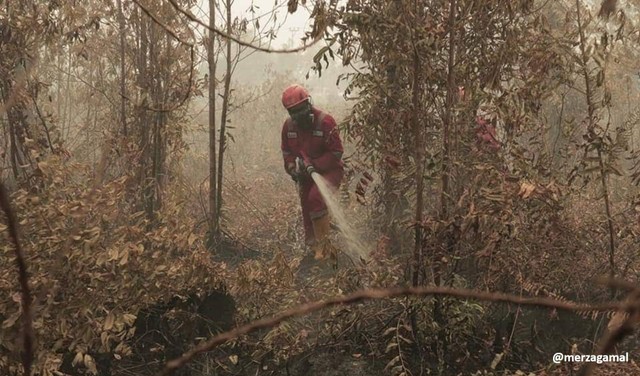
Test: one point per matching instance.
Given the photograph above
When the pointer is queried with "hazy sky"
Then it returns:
(293, 25)
(291, 29)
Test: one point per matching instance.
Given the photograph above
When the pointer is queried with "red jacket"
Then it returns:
(321, 142)
(486, 134)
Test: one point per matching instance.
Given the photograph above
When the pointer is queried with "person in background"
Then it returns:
(485, 129)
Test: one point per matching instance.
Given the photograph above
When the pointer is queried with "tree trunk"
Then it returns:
(144, 120)
(66, 120)
(392, 200)
(448, 116)
(591, 109)
(419, 145)
(213, 217)
(123, 117)
(223, 119)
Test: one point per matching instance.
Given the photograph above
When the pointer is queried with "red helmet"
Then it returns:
(294, 95)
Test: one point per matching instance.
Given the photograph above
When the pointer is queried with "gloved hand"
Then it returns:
(308, 166)
(291, 170)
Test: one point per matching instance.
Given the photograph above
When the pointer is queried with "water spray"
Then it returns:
(355, 248)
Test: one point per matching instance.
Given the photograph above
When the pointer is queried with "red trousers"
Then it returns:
(313, 205)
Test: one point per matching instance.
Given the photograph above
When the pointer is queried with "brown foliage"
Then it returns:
(94, 265)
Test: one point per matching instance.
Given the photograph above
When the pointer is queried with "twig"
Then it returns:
(305, 309)
(161, 24)
(23, 276)
(397, 338)
(513, 330)
(193, 18)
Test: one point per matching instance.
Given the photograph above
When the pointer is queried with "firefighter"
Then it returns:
(311, 144)
(486, 133)
(485, 130)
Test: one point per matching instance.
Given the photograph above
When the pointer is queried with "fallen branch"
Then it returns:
(308, 308)
(631, 307)
(23, 276)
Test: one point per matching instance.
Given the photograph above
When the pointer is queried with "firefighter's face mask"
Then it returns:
(302, 114)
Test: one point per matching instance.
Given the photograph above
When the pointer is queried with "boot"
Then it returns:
(322, 247)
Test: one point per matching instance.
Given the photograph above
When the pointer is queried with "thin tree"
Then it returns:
(123, 92)
(213, 217)
(419, 154)
(224, 115)
(591, 126)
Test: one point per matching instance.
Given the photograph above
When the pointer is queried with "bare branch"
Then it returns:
(191, 54)
(193, 18)
(162, 24)
(305, 309)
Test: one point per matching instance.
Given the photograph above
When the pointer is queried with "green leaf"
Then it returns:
(319, 55)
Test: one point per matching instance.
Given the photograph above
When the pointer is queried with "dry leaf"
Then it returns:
(526, 189)
(90, 364)
(192, 238)
(108, 322)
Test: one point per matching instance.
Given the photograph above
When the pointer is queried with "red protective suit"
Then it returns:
(486, 134)
(322, 144)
